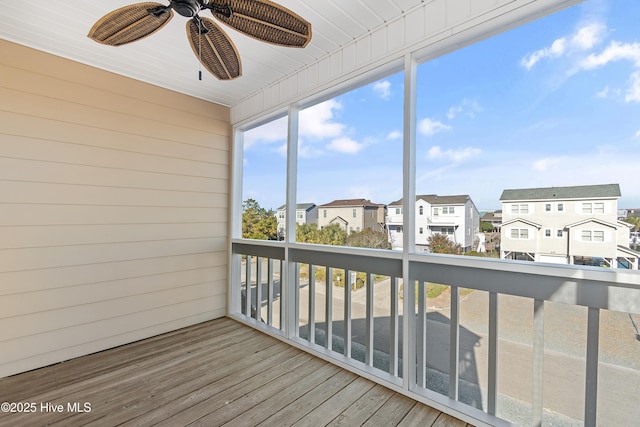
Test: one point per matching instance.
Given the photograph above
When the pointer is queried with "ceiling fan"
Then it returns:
(261, 19)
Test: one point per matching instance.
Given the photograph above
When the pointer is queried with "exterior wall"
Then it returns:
(530, 244)
(579, 247)
(554, 216)
(370, 217)
(114, 204)
(346, 213)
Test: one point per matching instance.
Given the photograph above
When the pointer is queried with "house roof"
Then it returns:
(563, 193)
(438, 200)
(524, 221)
(299, 206)
(350, 203)
(597, 221)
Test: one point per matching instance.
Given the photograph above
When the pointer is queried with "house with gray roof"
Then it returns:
(454, 216)
(306, 213)
(352, 215)
(566, 225)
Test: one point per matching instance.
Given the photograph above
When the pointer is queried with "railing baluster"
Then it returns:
(258, 315)
(368, 359)
(282, 267)
(454, 343)
(312, 303)
(393, 328)
(421, 341)
(591, 386)
(538, 362)
(247, 294)
(296, 297)
(492, 390)
(347, 312)
(328, 309)
(270, 292)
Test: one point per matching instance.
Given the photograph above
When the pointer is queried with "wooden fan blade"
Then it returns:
(214, 49)
(130, 23)
(266, 21)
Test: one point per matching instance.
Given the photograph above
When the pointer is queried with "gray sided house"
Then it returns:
(566, 225)
(306, 213)
(352, 215)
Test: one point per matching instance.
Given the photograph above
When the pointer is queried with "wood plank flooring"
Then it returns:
(211, 374)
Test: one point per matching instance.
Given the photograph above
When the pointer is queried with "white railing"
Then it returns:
(463, 357)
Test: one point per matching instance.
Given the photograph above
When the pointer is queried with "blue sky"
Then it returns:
(553, 103)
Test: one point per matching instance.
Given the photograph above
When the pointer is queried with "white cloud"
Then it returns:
(604, 93)
(345, 145)
(588, 36)
(614, 52)
(270, 132)
(382, 89)
(633, 91)
(585, 38)
(453, 112)
(556, 49)
(546, 163)
(429, 127)
(395, 134)
(319, 121)
(638, 134)
(468, 106)
(455, 156)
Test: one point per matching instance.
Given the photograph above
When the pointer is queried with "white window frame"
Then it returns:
(598, 208)
(522, 233)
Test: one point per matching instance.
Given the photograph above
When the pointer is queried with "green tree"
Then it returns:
(441, 244)
(369, 238)
(486, 227)
(635, 221)
(258, 222)
(329, 235)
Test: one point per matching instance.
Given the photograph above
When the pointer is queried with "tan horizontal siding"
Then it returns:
(113, 209)
(17, 282)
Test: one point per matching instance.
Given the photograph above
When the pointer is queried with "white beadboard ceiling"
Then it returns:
(165, 59)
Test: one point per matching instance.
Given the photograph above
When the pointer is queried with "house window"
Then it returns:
(354, 213)
(398, 211)
(436, 211)
(421, 209)
(598, 236)
(281, 215)
(519, 233)
(586, 235)
(560, 207)
(598, 208)
(421, 231)
(586, 208)
(558, 233)
(448, 210)
(547, 207)
(547, 232)
(324, 213)
(399, 229)
(300, 215)
(520, 209)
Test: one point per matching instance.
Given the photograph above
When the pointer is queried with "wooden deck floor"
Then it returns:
(215, 373)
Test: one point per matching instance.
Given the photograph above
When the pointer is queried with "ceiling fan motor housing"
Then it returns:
(188, 8)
